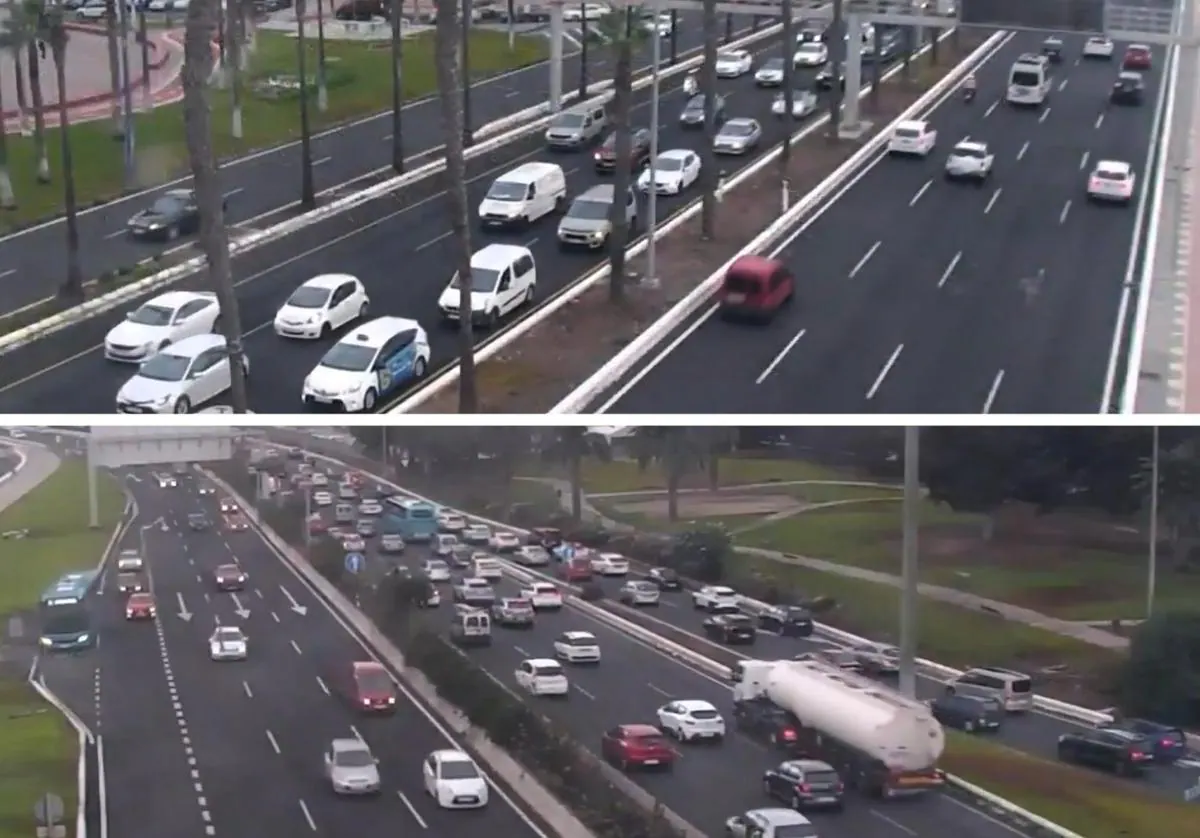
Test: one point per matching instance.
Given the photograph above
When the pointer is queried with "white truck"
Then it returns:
(881, 742)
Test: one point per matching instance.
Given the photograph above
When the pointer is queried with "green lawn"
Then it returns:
(359, 84)
(39, 747)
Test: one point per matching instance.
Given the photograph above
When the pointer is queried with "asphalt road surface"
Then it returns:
(916, 295)
(263, 188)
(194, 746)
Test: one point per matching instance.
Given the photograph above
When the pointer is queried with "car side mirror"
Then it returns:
(129, 315)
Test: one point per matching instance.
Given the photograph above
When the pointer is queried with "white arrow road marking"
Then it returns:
(184, 614)
(297, 607)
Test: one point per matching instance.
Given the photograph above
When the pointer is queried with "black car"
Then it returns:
(173, 214)
(1170, 743)
(131, 583)
(805, 784)
(1128, 89)
(639, 151)
(732, 629)
(666, 579)
(1052, 48)
(1119, 751)
(197, 522)
(787, 621)
(968, 713)
(766, 722)
(692, 115)
(362, 10)
(825, 78)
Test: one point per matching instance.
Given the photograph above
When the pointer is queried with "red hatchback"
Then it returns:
(140, 607)
(1137, 57)
(755, 287)
(641, 746)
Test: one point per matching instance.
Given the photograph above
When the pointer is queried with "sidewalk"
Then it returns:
(1004, 610)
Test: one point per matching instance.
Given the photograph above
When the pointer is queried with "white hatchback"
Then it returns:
(321, 306)
(322, 499)
(543, 676)
(577, 647)
(913, 136)
(181, 376)
(691, 719)
(1112, 180)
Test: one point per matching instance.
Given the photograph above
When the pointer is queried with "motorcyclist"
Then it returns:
(969, 87)
(690, 86)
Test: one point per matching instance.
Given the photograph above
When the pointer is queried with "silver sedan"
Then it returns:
(804, 103)
(738, 136)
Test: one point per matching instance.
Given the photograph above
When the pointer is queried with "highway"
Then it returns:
(255, 730)
(264, 187)
(400, 250)
(916, 295)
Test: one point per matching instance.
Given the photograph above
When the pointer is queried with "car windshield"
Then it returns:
(728, 56)
(737, 620)
(737, 129)
(507, 190)
(430, 566)
(227, 570)
(582, 641)
(772, 64)
(696, 103)
(548, 670)
(228, 635)
(350, 357)
(589, 210)
(353, 759)
(165, 367)
(152, 315)
(167, 205)
(459, 769)
(1109, 174)
(374, 681)
(668, 164)
(975, 153)
(567, 120)
(308, 296)
(809, 47)
(482, 279)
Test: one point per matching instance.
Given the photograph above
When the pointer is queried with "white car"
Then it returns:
(1098, 47)
(228, 643)
(319, 478)
(674, 171)
(504, 542)
(969, 160)
(369, 363)
(476, 534)
(577, 647)
(451, 522)
(691, 719)
(660, 25)
(92, 10)
(804, 104)
(811, 54)
(436, 570)
(913, 136)
(321, 306)
(1111, 180)
(732, 64)
(543, 676)
(370, 506)
(639, 592)
(454, 781)
(770, 73)
(353, 543)
(166, 319)
(503, 279)
(715, 598)
(391, 542)
(347, 491)
(180, 377)
(610, 564)
(322, 498)
(589, 11)
(543, 596)
(532, 555)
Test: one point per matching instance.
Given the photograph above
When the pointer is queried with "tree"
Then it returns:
(201, 26)
(308, 197)
(678, 451)
(708, 159)
(397, 87)
(114, 65)
(51, 28)
(569, 447)
(1160, 679)
(8, 199)
(13, 38)
(1179, 500)
(721, 441)
(447, 57)
(26, 21)
(234, 34)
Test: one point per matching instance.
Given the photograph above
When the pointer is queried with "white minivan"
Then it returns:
(503, 278)
(522, 196)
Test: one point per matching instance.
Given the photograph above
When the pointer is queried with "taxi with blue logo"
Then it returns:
(369, 363)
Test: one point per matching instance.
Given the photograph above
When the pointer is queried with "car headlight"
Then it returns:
(84, 638)
(46, 641)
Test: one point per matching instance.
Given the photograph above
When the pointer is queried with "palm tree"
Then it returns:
(679, 452)
(52, 29)
(13, 37)
(447, 54)
(397, 87)
(708, 160)
(200, 26)
(789, 72)
(308, 197)
(569, 446)
(322, 88)
(234, 23)
(114, 66)
(26, 20)
(7, 199)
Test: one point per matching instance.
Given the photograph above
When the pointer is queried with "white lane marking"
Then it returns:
(434, 241)
(275, 616)
(233, 192)
(520, 651)
(866, 258)
(659, 690)
(891, 362)
(1045, 114)
(1083, 161)
(321, 684)
(412, 810)
(1024, 148)
(1099, 120)
(308, 815)
(950, 269)
(357, 735)
(258, 593)
(993, 107)
(1063, 85)
(116, 235)
(779, 358)
(892, 821)
(8, 272)
(1062, 216)
(991, 396)
(584, 692)
(924, 188)
(297, 648)
(321, 161)
(246, 689)
(992, 201)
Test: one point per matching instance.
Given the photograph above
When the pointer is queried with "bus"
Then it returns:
(64, 612)
(413, 520)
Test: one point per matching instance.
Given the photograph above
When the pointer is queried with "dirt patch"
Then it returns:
(713, 505)
(537, 371)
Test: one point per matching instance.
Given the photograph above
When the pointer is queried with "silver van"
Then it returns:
(577, 127)
(1014, 690)
(343, 513)
(471, 626)
(586, 222)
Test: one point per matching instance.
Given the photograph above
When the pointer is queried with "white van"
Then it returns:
(503, 278)
(1029, 80)
(522, 196)
(489, 569)
(1014, 690)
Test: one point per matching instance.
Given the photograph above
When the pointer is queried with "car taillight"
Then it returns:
(789, 734)
(1167, 743)
(1136, 755)
(366, 702)
(1096, 183)
(803, 788)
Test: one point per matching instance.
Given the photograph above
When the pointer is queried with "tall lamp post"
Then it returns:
(1152, 570)
(652, 224)
(583, 52)
(468, 135)
(909, 562)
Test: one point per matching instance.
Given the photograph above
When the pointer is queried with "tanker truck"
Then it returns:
(881, 742)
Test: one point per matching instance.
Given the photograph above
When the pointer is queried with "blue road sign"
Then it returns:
(354, 562)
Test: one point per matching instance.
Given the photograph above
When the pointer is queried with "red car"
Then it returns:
(371, 688)
(576, 570)
(1137, 57)
(641, 746)
(755, 287)
(316, 524)
(230, 577)
(140, 607)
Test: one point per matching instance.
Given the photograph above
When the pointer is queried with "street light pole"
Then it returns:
(909, 562)
(652, 209)
(1152, 570)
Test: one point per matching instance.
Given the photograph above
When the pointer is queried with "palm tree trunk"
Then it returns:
(674, 467)
(622, 101)
(397, 88)
(201, 25)
(19, 78)
(233, 37)
(576, 479)
(446, 57)
(72, 288)
(39, 116)
(7, 198)
(322, 88)
(708, 160)
(114, 65)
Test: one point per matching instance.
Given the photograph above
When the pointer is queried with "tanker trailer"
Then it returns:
(881, 742)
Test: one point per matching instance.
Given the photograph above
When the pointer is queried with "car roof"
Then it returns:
(376, 332)
(531, 171)
(579, 635)
(740, 53)
(695, 704)
(329, 281)
(778, 816)
(451, 755)
(228, 566)
(542, 661)
(640, 729)
(1140, 47)
(599, 192)
(1100, 39)
(141, 595)
(1114, 167)
(348, 744)
(1130, 74)
(227, 630)
(174, 299)
(497, 255)
(919, 124)
(808, 765)
(972, 145)
(367, 666)
(740, 120)
(192, 346)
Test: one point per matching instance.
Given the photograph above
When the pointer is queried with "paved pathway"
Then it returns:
(1014, 613)
(39, 464)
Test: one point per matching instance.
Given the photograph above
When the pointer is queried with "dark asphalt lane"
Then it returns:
(919, 307)
(262, 188)
(404, 274)
(258, 728)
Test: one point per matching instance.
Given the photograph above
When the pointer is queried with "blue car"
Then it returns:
(1169, 743)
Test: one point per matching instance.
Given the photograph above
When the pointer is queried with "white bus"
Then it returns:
(1029, 80)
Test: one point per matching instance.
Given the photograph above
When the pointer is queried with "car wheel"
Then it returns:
(326, 329)
(183, 405)
(969, 726)
(369, 401)
(172, 232)
(493, 319)
(419, 368)
(797, 803)
(529, 296)
(216, 326)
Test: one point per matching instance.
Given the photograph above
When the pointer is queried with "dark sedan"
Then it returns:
(731, 629)
(1128, 89)
(825, 78)
(692, 115)
(639, 152)
(173, 214)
